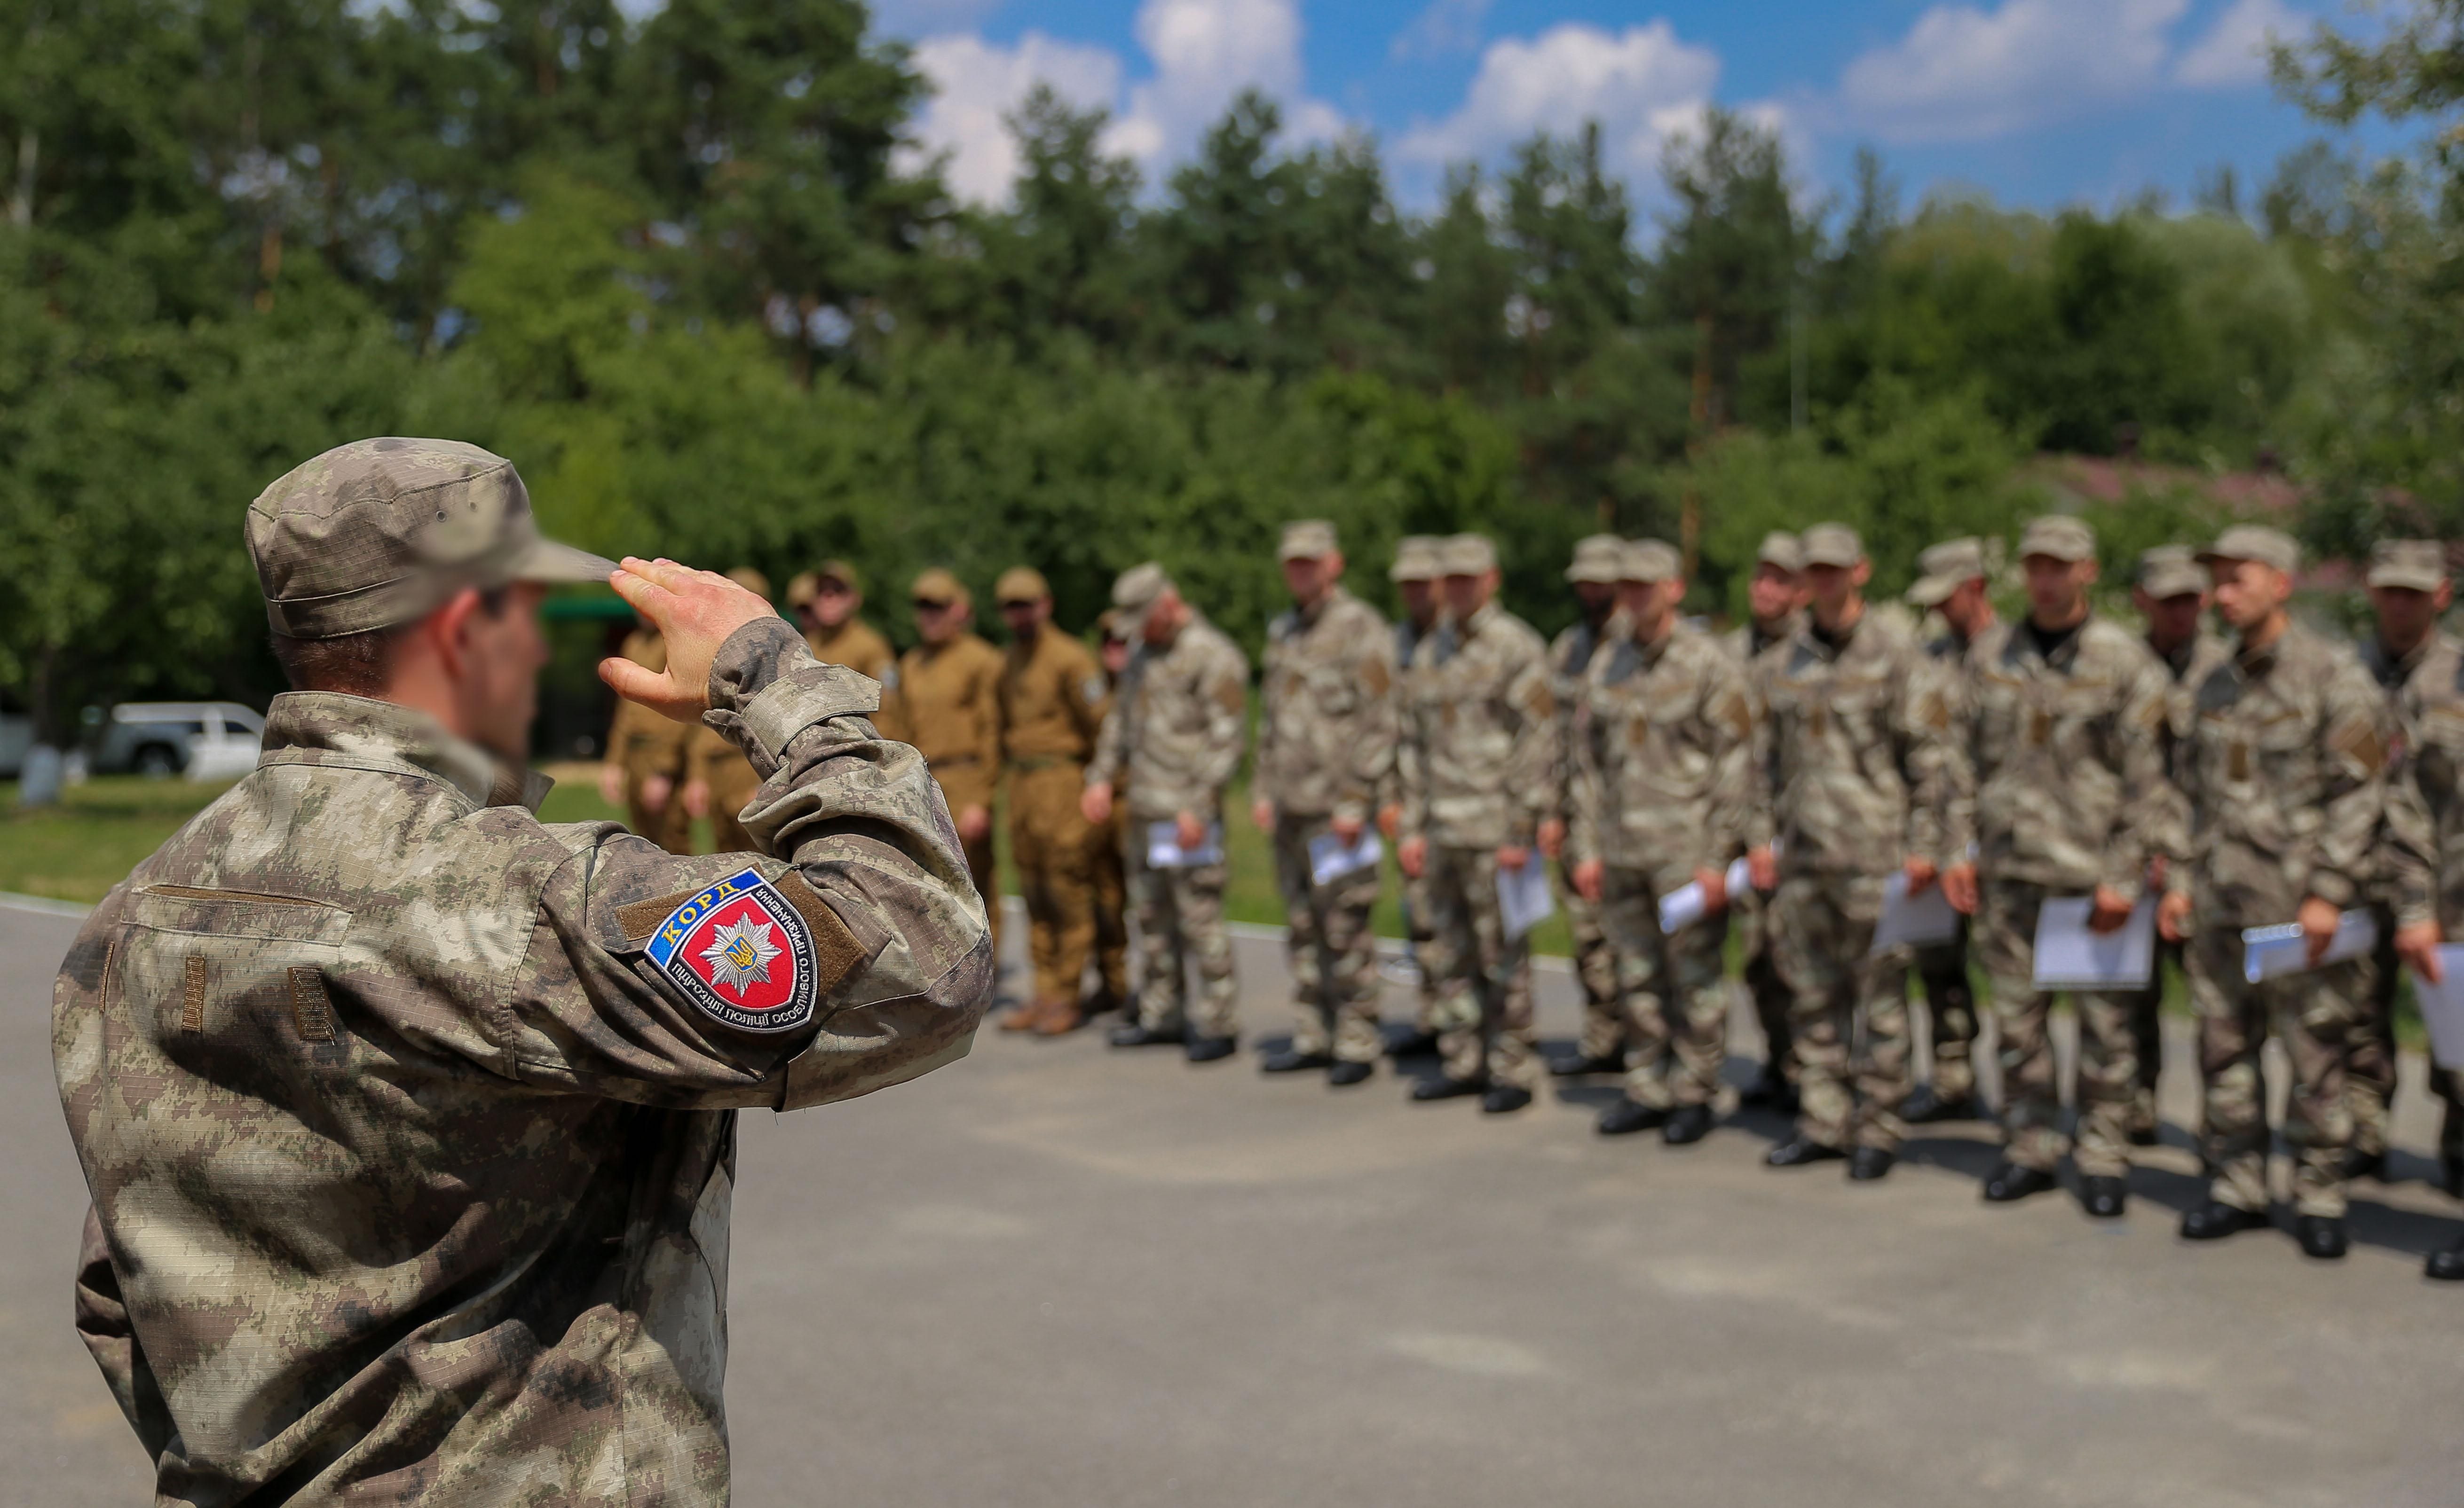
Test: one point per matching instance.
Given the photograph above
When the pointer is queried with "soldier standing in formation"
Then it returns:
(2409, 595)
(1599, 562)
(1774, 609)
(945, 699)
(1112, 650)
(1416, 574)
(718, 779)
(1847, 765)
(2058, 781)
(827, 602)
(646, 755)
(1663, 735)
(1173, 738)
(1952, 582)
(1053, 699)
(1326, 747)
(2285, 772)
(1476, 761)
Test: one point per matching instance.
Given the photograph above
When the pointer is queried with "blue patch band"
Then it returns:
(681, 923)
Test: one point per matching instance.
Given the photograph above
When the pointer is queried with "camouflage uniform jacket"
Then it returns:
(2058, 767)
(1748, 642)
(2422, 845)
(411, 1171)
(1849, 749)
(639, 741)
(1663, 735)
(1173, 734)
(1325, 742)
(2286, 773)
(2187, 666)
(2395, 675)
(1407, 646)
(1571, 655)
(1483, 734)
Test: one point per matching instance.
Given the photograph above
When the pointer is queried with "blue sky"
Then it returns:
(2040, 102)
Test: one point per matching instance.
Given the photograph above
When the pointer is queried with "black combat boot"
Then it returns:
(1343, 1075)
(2008, 1183)
(1870, 1163)
(1505, 1100)
(1578, 1065)
(1211, 1049)
(2447, 1266)
(1627, 1117)
(2213, 1221)
(1797, 1151)
(1136, 1036)
(1444, 1088)
(1291, 1063)
(1688, 1125)
(2103, 1198)
(2321, 1235)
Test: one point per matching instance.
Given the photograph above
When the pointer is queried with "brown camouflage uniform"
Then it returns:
(1475, 756)
(1750, 912)
(1847, 769)
(945, 699)
(2423, 842)
(2285, 772)
(1054, 697)
(645, 745)
(1325, 746)
(1942, 969)
(411, 1175)
(1570, 657)
(2058, 780)
(1416, 908)
(2188, 665)
(1171, 741)
(1663, 739)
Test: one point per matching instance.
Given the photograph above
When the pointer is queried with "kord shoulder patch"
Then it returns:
(741, 954)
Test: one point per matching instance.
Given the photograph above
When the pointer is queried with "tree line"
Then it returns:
(681, 270)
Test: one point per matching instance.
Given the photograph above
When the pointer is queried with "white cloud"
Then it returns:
(1962, 74)
(1642, 85)
(1445, 26)
(1206, 52)
(2233, 53)
(975, 83)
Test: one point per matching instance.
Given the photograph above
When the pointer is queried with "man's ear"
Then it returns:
(447, 630)
(1862, 574)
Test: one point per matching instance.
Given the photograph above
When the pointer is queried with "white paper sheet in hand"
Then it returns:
(1524, 900)
(1164, 850)
(2442, 1006)
(2269, 953)
(1683, 906)
(2071, 956)
(1916, 921)
(1331, 857)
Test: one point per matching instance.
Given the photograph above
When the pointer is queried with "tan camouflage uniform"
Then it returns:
(1570, 657)
(2423, 842)
(2286, 774)
(1170, 740)
(1847, 763)
(411, 1177)
(1942, 969)
(1476, 759)
(1750, 911)
(2059, 783)
(1325, 745)
(1663, 741)
(2187, 665)
(1414, 557)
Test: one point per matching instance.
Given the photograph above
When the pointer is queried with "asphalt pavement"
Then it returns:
(1059, 1275)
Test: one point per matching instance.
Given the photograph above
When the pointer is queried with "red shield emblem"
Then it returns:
(740, 953)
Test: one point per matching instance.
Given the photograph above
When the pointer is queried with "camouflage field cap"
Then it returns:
(1651, 560)
(1416, 558)
(379, 533)
(1136, 595)
(1308, 540)
(2170, 570)
(1108, 624)
(1020, 586)
(2254, 542)
(939, 588)
(1831, 544)
(2417, 564)
(1781, 551)
(2057, 537)
(1467, 554)
(1598, 557)
(1945, 568)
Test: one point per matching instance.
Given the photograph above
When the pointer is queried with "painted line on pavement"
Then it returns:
(44, 906)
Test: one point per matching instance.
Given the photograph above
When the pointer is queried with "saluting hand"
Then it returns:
(696, 611)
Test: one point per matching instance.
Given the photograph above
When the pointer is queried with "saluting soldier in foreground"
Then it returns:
(2058, 781)
(2409, 595)
(1173, 738)
(1774, 606)
(1848, 761)
(2285, 772)
(1664, 738)
(1599, 562)
(1325, 746)
(1483, 726)
(1054, 697)
(1954, 582)
(718, 779)
(1416, 574)
(408, 1119)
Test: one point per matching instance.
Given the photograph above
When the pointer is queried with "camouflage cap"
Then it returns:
(1135, 594)
(2417, 564)
(1416, 558)
(1307, 540)
(1107, 623)
(802, 587)
(1467, 554)
(2254, 542)
(2170, 570)
(1831, 544)
(379, 533)
(1021, 584)
(1650, 560)
(1945, 568)
(1598, 557)
(939, 588)
(1781, 551)
(752, 581)
(2060, 536)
